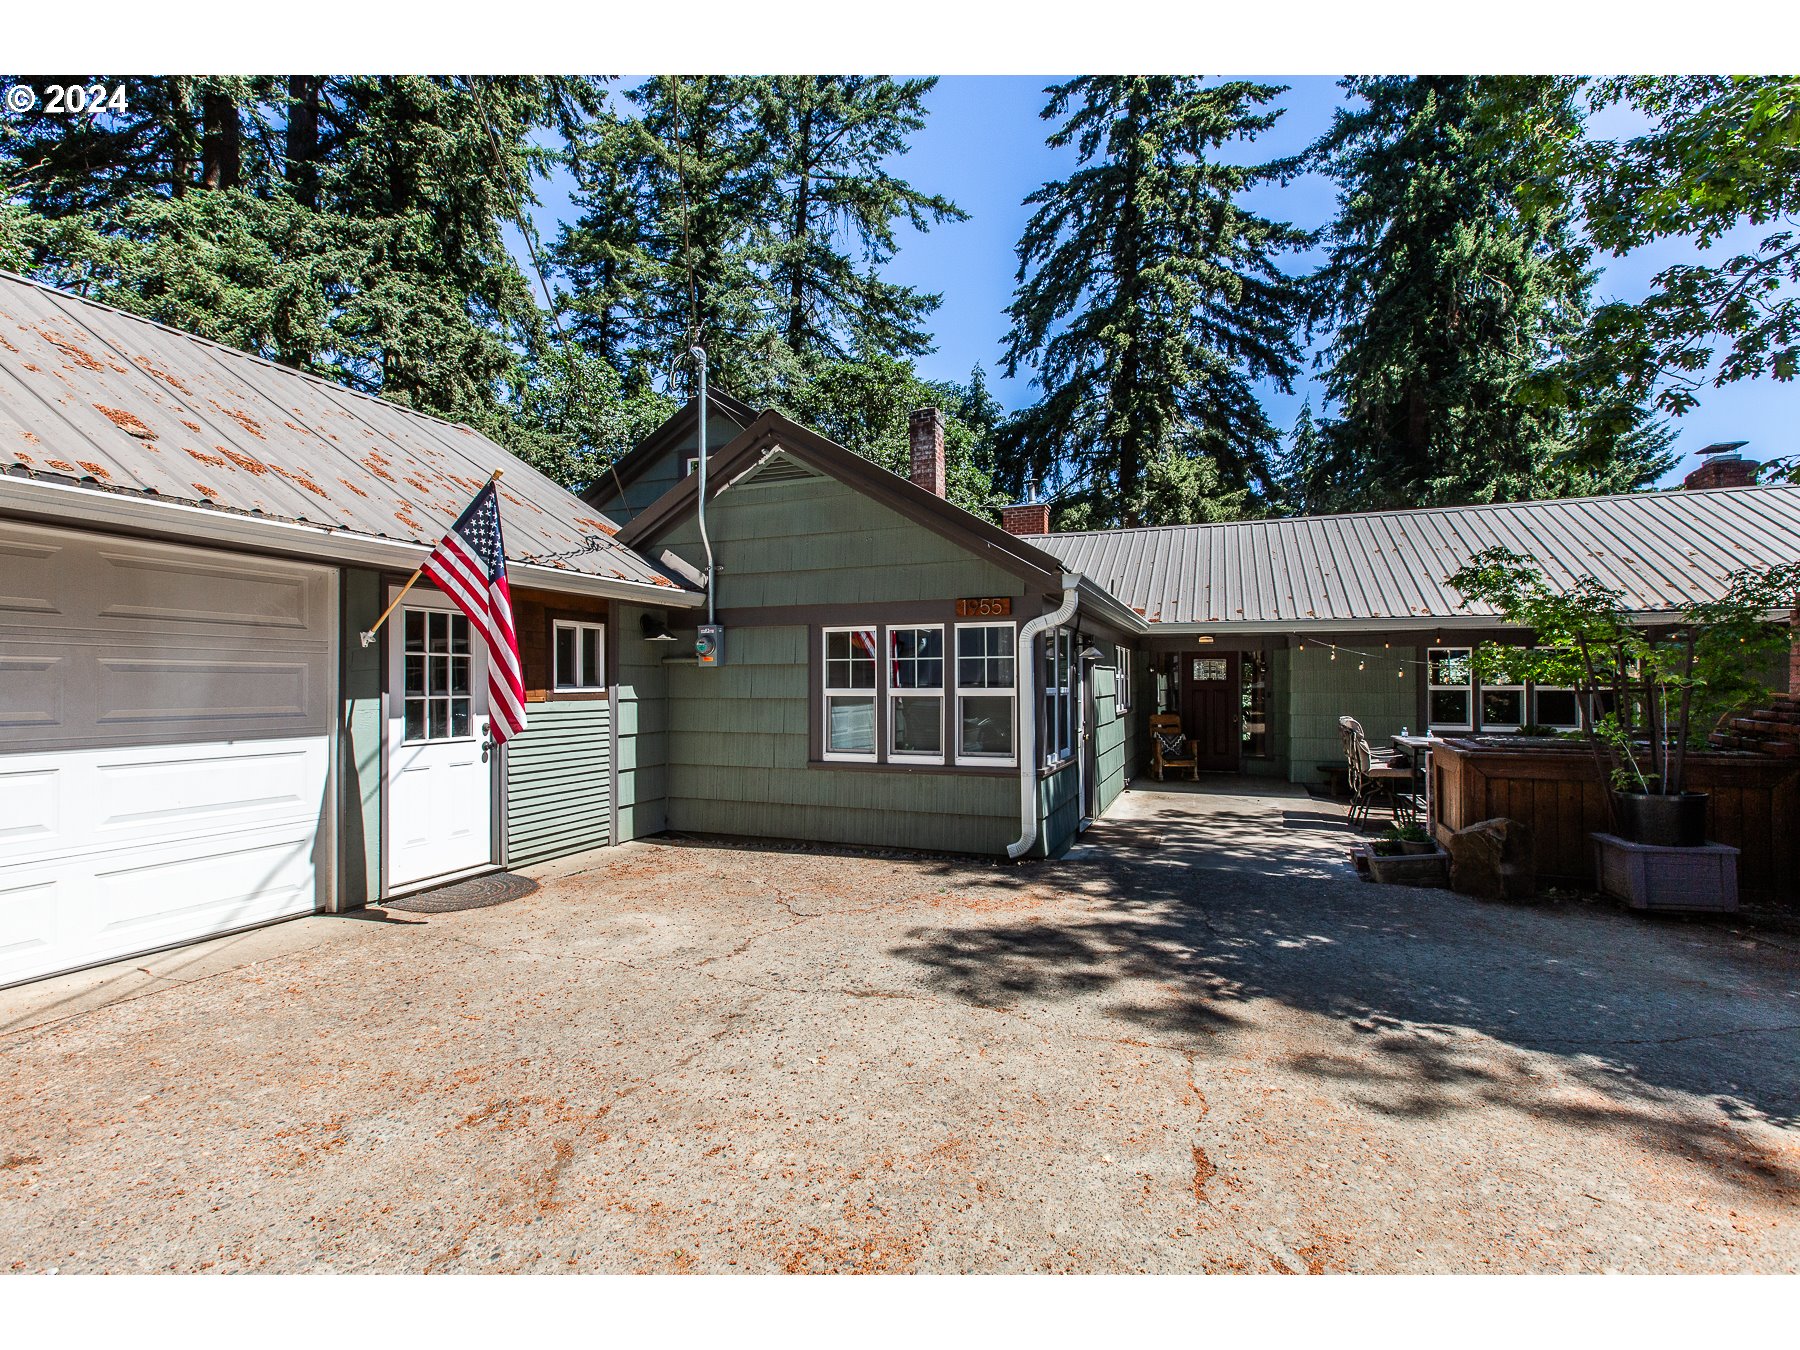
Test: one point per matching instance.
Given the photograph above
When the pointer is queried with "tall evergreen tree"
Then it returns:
(1301, 466)
(1149, 299)
(1452, 295)
(829, 141)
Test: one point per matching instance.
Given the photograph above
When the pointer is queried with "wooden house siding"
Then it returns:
(1383, 696)
(1109, 738)
(1059, 810)
(640, 693)
(739, 751)
(559, 782)
(661, 473)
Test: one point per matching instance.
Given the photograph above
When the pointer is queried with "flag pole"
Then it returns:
(369, 636)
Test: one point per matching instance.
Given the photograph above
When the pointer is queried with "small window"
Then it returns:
(1449, 691)
(986, 693)
(1556, 707)
(916, 694)
(850, 686)
(579, 655)
(693, 465)
(1122, 680)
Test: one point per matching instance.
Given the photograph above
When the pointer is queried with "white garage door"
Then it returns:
(165, 719)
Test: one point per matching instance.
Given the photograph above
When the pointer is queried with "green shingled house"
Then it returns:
(899, 672)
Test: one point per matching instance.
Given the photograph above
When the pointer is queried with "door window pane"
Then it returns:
(459, 717)
(415, 719)
(438, 719)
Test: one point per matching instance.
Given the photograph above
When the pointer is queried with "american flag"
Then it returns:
(470, 566)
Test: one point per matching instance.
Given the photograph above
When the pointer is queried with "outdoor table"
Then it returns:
(1418, 752)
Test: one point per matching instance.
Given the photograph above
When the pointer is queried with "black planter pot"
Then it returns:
(1668, 822)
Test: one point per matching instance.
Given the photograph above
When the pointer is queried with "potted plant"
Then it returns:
(1412, 839)
(1647, 690)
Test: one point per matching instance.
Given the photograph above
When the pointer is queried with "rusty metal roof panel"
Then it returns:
(95, 395)
(1663, 550)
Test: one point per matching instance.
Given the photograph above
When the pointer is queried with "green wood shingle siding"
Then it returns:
(738, 735)
(738, 765)
(1059, 810)
(641, 690)
(559, 781)
(1383, 696)
(1109, 737)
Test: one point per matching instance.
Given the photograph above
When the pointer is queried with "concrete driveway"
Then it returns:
(1198, 1046)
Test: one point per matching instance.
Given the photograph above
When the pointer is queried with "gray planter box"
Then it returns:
(1411, 869)
(1699, 880)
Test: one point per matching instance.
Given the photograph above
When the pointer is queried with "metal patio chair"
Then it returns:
(1373, 776)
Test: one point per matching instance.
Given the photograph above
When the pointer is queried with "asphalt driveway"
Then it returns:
(1197, 1046)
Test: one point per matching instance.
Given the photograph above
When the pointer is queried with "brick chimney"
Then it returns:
(1026, 518)
(926, 429)
(1723, 467)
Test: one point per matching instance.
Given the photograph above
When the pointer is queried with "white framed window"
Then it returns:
(1556, 706)
(987, 694)
(1059, 696)
(1122, 678)
(916, 693)
(693, 466)
(852, 677)
(1449, 689)
(580, 656)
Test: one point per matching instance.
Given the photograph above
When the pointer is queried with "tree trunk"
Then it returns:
(181, 140)
(221, 150)
(801, 234)
(303, 138)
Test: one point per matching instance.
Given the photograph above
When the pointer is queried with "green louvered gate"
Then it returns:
(559, 782)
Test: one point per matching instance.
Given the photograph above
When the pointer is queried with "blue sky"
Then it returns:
(983, 147)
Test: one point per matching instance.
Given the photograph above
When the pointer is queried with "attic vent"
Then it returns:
(778, 468)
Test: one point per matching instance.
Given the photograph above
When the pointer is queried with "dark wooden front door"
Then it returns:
(1211, 708)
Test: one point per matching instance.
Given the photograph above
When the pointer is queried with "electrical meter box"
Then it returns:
(709, 646)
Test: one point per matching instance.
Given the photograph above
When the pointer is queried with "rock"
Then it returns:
(1491, 860)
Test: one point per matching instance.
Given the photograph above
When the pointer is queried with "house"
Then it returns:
(195, 739)
(193, 541)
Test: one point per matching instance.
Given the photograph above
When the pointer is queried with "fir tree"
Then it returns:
(1454, 298)
(1150, 300)
(830, 139)
(1301, 466)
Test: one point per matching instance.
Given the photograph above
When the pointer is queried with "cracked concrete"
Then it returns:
(1204, 1048)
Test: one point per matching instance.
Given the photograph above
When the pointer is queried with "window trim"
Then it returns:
(577, 626)
(1009, 692)
(885, 640)
(1121, 678)
(1574, 697)
(828, 691)
(1466, 688)
(1483, 690)
(1061, 641)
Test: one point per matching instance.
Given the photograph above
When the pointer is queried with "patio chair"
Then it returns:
(1371, 776)
(1171, 748)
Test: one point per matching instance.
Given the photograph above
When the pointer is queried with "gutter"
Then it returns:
(1028, 821)
(67, 504)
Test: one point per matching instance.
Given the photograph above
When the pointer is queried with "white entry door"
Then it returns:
(440, 772)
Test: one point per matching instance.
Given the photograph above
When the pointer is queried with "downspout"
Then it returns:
(699, 355)
(1028, 821)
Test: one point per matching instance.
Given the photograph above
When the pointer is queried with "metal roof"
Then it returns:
(1663, 550)
(94, 396)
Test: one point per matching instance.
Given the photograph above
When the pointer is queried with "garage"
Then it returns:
(165, 744)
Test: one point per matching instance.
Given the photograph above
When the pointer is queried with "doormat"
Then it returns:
(496, 888)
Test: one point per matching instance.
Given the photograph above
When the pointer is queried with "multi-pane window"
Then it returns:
(986, 693)
(1122, 668)
(916, 694)
(580, 662)
(851, 671)
(439, 670)
(1449, 694)
(1059, 696)
(1503, 703)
